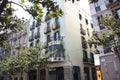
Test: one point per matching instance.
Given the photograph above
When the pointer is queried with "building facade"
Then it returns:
(67, 35)
(109, 61)
(99, 9)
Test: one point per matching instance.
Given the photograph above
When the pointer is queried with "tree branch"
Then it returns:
(23, 7)
(3, 5)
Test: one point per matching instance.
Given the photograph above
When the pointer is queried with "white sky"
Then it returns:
(21, 13)
(85, 5)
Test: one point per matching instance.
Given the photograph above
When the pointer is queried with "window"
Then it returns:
(21, 78)
(82, 31)
(92, 57)
(57, 21)
(80, 16)
(73, 1)
(86, 21)
(48, 38)
(57, 7)
(87, 73)
(33, 23)
(48, 24)
(56, 73)
(47, 17)
(32, 75)
(76, 73)
(84, 43)
(85, 54)
(111, 1)
(97, 6)
(31, 44)
(91, 25)
(99, 18)
(57, 35)
(32, 33)
(37, 43)
(16, 78)
(38, 30)
(101, 26)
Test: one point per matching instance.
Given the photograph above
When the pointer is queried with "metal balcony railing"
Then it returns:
(88, 60)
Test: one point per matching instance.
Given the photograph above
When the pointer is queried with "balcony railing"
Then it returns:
(37, 35)
(56, 59)
(31, 38)
(58, 42)
(113, 4)
(83, 31)
(47, 30)
(55, 26)
(88, 60)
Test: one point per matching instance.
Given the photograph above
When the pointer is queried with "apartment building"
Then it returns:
(109, 61)
(100, 9)
(67, 35)
(18, 39)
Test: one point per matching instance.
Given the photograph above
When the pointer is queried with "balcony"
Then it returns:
(59, 55)
(59, 42)
(88, 60)
(56, 59)
(47, 30)
(31, 38)
(55, 26)
(114, 4)
(37, 35)
(83, 31)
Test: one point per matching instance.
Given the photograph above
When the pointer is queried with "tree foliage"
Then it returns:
(9, 21)
(25, 60)
(110, 36)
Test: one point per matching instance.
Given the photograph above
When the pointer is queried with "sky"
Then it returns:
(85, 5)
(21, 13)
